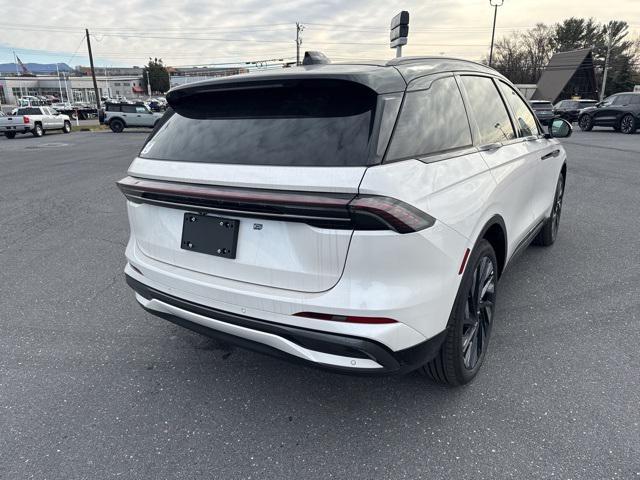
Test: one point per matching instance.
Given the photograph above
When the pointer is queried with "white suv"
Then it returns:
(356, 217)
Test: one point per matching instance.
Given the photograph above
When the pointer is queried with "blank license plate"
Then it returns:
(211, 235)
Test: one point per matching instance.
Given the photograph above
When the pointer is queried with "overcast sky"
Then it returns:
(217, 31)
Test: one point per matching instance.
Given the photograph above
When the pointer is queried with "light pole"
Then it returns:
(495, 4)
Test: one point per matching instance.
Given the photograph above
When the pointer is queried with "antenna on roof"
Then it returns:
(315, 58)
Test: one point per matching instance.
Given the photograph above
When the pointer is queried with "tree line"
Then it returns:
(522, 56)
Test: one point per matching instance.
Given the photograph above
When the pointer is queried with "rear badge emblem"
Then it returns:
(257, 226)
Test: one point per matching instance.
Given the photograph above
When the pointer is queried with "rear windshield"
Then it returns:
(29, 111)
(541, 105)
(303, 123)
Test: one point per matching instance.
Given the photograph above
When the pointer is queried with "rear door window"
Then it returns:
(524, 118)
(292, 122)
(128, 108)
(431, 121)
(489, 111)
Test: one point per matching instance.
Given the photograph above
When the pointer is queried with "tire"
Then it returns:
(67, 127)
(10, 135)
(467, 338)
(547, 235)
(585, 122)
(116, 125)
(628, 124)
(37, 131)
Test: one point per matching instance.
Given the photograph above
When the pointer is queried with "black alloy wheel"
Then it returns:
(628, 124)
(478, 316)
(116, 125)
(469, 328)
(585, 122)
(549, 231)
(556, 211)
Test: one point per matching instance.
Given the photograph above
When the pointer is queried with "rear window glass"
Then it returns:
(29, 111)
(302, 122)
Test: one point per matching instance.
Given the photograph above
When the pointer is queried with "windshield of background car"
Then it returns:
(302, 123)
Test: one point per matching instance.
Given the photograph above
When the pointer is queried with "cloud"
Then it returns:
(216, 31)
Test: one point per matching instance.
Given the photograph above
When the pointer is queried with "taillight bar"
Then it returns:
(325, 210)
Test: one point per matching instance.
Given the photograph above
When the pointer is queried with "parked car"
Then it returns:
(355, 217)
(620, 111)
(34, 120)
(543, 110)
(119, 116)
(570, 109)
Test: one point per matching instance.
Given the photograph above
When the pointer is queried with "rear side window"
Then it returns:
(522, 113)
(488, 110)
(293, 122)
(635, 100)
(128, 108)
(113, 108)
(431, 121)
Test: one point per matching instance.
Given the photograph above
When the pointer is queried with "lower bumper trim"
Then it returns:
(328, 345)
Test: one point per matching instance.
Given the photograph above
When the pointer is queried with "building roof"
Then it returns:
(381, 76)
(559, 72)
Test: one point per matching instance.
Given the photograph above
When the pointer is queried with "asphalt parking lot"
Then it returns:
(92, 387)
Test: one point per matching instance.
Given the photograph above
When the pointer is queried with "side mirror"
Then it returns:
(559, 128)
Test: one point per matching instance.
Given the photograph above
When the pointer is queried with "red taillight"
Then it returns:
(25, 119)
(345, 318)
(321, 209)
(397, 215)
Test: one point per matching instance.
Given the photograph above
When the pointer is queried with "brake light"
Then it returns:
(25, 119)
(320, 209)
(397, 215)
(345, 318)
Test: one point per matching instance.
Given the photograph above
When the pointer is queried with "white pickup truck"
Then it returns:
(34, 120)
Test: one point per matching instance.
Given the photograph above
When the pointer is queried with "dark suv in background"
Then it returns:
(620, 111)
(543, 110)
(570, 109)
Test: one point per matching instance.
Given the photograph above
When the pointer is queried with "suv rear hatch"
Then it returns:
(277, 160)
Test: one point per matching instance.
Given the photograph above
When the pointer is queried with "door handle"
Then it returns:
(555, 153)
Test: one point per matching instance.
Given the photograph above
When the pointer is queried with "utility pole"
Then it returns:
(299, 29)
(59, 83)
(93, 71)
(148, 83)
(495, 4)
(606, 64)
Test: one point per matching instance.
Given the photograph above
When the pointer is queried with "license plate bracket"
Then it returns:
(211, 235)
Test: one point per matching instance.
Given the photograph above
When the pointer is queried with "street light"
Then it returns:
(495, 4)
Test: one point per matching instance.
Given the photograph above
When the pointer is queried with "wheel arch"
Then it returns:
(117, 118)
(495, 232)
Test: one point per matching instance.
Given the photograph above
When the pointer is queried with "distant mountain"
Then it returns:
(35, 67)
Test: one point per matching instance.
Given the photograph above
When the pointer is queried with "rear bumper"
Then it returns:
(15, 129)
(341, 353)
